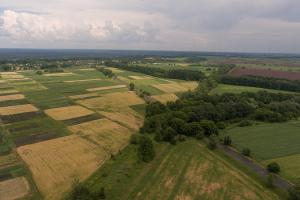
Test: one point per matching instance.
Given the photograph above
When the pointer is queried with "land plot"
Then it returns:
(83, 96)
(140, 77)
(164, 98)
(11, 97)
(59, 74)
(14, 188)
(83, 80)
(82, 119)
(18, 109)
(69, 112)
(106, 88)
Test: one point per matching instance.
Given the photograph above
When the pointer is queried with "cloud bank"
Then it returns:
(201, 25)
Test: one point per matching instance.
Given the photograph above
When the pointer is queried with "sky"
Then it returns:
(183, 25)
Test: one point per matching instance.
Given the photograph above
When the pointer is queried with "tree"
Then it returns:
(294, 194)
(134, 139)
(227, 140)
(270, 181)
(273, 167)
(99, 194)
(246, 152)
(80, 192)
(212, 142)
(168, 135)
(145, 149)
(131, 86)
(209, 127)
(194, 129)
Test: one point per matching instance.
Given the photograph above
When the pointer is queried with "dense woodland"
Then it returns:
(263, 82)
(198, 114)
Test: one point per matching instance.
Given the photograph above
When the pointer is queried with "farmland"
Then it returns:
(185, 171)
(56, 121)
(271, 142)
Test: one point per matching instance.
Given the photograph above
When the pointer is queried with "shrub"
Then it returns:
(131, 86)
(145, 149)
(245, 123)
(227, 140)
(134, 139)
(221, 125)
(213, 141)
(273, 167)
(246, 152)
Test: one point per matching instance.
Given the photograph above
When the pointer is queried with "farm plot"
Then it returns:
(56, 164)
(83, 80)
(106, 88)
(114, 70)
(265, 73)
(8, 91)
(11, 97)
(164, 98)
(14, 188)
(175, 87)
(140, 77)
(112, 101)
(69, 112)
(83, 96)
(59, 74)
(185, 171)
(18, 109)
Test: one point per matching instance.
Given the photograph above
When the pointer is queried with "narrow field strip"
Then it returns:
(83, 80)
(59, 74)
(83, 96)
(106, 88)
(140, 77)
(11, 97)
(68, 112)
(12, 110)
(114, 70)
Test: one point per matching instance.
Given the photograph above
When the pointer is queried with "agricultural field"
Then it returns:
(277, 142)
(187, 170)
(265, 73)
(53, 122)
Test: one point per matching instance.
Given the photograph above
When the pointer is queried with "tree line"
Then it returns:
(263, 82)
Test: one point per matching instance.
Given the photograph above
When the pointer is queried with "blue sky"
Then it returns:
(198, 25)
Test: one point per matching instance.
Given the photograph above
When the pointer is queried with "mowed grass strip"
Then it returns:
(267, 141)
(106, 88)
(18, 109)
(83, 80)
(59, 74)
(83, 96)
(175, 87)
(68, 112)
(15, 188)
(185, 171)
(289, 166)
(11, 97)
(164, 98)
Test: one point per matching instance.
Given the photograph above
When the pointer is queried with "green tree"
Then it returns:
(80, 192)
(145, 149)
(273, 167)
(209, 127)
(227, 140)
(246, 152)
(212, 142)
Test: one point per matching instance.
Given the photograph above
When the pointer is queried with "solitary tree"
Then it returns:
(213, 141)
(273, 167)
(227, 140)
(131, 86)
(146, 150)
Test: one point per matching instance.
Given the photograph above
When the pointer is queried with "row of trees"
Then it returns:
(183, 74)
(263, 82)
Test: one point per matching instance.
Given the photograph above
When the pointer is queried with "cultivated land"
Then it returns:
(185, 171)
(14, 188)
(272, 142)
(164, 98)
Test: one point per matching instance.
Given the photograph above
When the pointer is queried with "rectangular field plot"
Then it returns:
(83, 96)
(83, 80)
(140, 77)
(11, 97)
(164, 98)
(18, 109)
(14, 188)
(59, 74)
(112, 101)
(106, 88)
(69, 112)
(175, 87)
(8, 91)
(59, 162)
(114, 70)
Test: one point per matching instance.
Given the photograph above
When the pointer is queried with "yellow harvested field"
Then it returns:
(87, 69)
(126, 117)
(18, 109)
(8, 91)
(106, 88)
(56, 164)
(122, 78)
(176, 87)
(105, 133)
(164, 98)
(68, 112)
(12, 76)
(82, 96)
(84, 80)
(2, 81)
(12, 97)
(8, 73)
(112, 101)
(140, 77)
(60, 74)
(15, 188)
(114, 70)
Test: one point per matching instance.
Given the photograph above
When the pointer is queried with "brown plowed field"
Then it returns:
(265, 73)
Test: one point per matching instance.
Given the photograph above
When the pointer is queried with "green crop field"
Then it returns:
(187, 170)
(271, 142)
(224, 88)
